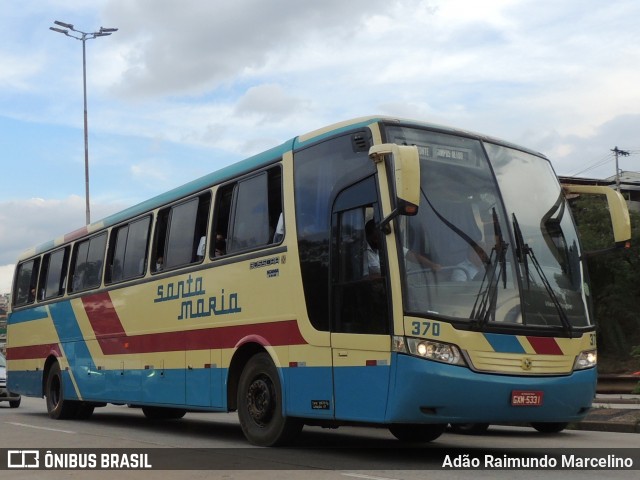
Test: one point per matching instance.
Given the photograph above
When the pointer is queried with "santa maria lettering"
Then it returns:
(195, 302)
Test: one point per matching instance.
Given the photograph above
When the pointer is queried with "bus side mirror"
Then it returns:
(405, 163)
(617, 206)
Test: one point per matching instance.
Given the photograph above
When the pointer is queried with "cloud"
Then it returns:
(271, 102)
(17, 70)
(27, 223)
(590, 155)
(192, 47)
(6, 277)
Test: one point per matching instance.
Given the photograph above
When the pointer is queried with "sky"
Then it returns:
(186, 87)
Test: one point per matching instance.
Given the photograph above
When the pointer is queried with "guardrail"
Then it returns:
(617, 383)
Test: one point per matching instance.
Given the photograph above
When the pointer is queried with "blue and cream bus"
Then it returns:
(377, 271)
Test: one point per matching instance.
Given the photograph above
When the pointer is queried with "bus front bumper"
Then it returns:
(423, 391)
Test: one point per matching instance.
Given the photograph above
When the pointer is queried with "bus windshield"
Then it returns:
(500, 245)
(547, 247)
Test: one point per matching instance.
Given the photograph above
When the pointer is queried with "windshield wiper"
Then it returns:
(523, 252)
(485, 305)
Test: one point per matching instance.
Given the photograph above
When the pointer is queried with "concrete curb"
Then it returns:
(603, 419)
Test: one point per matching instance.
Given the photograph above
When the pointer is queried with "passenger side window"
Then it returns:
(181, 230)
(53, 275)
(87, 263)
(249, 214)
(128, 251)
(24, 290)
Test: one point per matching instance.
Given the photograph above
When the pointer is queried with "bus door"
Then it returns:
(360, 321)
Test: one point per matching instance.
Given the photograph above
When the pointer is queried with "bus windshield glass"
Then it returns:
(469, 256)
(546, 241)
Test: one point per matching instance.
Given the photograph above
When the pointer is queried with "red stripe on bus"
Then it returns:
(113, 340)
(102, 315)
(545, 345)
(33, 351)
(274, 334)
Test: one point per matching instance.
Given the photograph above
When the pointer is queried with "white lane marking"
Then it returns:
(39, 428)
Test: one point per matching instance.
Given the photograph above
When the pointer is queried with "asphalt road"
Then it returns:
(212, 446)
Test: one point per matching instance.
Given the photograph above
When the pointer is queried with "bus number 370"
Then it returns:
(423, 328)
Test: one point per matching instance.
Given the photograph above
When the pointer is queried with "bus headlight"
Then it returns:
(587, 359)
(437, 351)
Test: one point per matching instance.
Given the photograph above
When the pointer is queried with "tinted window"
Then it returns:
(359, 285)
(54, 273)
(249, 214)
(117, 262)
(128, 251)
(181, 233)
(136, 251)
(24, 289)
(321, 171)
(87, 263)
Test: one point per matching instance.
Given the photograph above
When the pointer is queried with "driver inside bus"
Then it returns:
(473, 266)
(371, 265)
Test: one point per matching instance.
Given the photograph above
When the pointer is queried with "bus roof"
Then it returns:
(239, 168)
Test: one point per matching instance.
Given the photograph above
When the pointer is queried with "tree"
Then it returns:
(615, 278)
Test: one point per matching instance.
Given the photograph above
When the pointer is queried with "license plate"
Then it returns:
(526, 398)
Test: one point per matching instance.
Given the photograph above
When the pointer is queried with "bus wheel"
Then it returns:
(417, 433)
(260, 405)
(469, 428)
(549, 427)
(163, 413)
(57, 407)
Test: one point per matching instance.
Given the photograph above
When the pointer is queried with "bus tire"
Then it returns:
(163, 413)
(417, 433)
(58, 407)
(260, 405)
(549, 427)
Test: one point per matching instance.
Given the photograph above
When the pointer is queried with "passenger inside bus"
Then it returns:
(220, 245)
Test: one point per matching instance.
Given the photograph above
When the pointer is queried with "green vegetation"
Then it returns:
(615, 286)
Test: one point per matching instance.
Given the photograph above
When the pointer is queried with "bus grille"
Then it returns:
(520, 364)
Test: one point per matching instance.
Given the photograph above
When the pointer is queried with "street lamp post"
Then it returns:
(83, 37)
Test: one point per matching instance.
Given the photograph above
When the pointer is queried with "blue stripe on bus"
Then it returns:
(308, 391)
(35, 313)
(65, 322)
(75, 347)
(504, 343)
(26, 382)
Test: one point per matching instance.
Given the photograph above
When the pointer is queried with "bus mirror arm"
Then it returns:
(384, 226)
(405, 162)
(618, 210)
